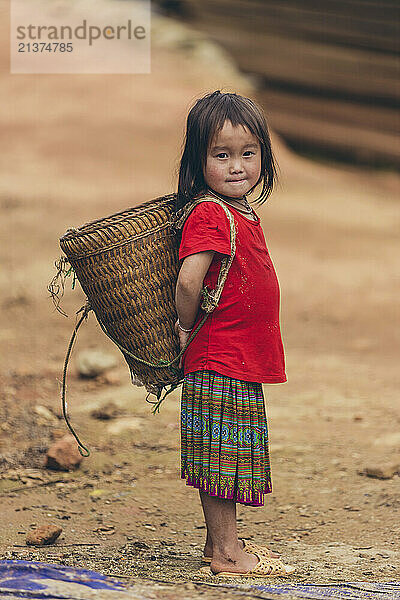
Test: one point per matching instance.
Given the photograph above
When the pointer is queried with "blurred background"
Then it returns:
(75, 148)
(327, 71)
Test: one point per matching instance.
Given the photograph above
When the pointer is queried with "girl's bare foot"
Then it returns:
(234, 560)
(208, 551)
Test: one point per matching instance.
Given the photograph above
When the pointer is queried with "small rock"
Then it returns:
(43, 535)
(108, 379)
(106, 412)
(63, 455)
(35, 474)
(124, 424)
(45, 414)
(141, 545)
(382, 472)
(106, 529)
(57, 434)
(97, 492)
(92, 363)
(389, 439)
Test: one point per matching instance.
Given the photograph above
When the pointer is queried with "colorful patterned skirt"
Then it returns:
(224, 437)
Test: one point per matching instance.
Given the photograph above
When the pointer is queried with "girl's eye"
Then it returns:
(246, 154)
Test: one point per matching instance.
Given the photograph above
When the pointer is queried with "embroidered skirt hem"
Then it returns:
(248, 497)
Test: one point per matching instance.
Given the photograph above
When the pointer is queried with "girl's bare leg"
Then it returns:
(208, 548)
(208, 545)
(227, 553)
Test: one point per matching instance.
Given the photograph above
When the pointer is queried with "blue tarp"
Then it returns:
(29, 579)
(354, 590)
(37, 581)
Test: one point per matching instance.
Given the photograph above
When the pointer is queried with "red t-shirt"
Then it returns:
(241, 338)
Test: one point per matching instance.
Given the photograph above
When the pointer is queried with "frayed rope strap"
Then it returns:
(209, 303)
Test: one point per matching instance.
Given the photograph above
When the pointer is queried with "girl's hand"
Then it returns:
(183, 338)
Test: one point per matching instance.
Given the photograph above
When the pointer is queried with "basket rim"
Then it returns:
(107, 248)
(120, 217)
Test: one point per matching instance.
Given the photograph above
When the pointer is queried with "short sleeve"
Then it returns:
(206, 228)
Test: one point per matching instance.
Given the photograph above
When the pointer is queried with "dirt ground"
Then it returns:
(76, 148)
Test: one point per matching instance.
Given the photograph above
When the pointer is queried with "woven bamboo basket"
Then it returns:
(127, 265)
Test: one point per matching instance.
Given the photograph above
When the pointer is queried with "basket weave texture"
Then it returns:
(127, 265)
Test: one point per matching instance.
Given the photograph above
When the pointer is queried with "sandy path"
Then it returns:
(77, 148)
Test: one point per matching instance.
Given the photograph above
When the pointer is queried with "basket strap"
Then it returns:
(85, 309)
(161, 364)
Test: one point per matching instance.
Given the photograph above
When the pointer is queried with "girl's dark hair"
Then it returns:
(205, 119)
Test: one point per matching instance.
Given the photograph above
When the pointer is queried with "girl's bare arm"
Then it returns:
(189, 285)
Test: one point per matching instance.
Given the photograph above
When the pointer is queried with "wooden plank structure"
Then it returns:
(328, 70)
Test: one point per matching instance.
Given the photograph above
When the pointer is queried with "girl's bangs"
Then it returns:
(237, 116)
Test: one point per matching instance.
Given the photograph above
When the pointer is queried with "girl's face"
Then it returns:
(233, 164)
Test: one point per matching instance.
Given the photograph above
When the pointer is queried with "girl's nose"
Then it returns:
(236, 166)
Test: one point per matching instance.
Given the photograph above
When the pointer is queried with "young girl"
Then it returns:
(224, 435)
